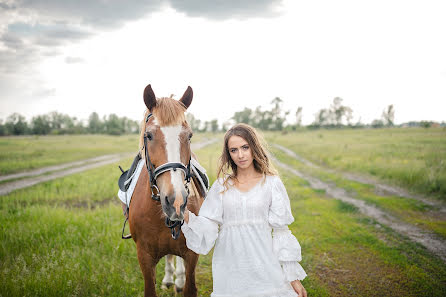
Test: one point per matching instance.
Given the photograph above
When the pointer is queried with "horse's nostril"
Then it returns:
(167, 200)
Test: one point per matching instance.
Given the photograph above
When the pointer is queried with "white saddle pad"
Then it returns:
(125, 197)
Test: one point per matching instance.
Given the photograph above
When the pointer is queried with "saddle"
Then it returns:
(127, 176)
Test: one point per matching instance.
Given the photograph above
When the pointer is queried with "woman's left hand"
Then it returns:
(297, 286)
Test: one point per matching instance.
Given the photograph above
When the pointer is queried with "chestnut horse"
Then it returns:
(165, 137)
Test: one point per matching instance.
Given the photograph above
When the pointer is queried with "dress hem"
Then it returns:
(284, 292)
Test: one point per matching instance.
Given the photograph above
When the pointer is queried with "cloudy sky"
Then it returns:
(77, 57)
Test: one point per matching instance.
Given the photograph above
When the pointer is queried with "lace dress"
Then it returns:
(255, 253)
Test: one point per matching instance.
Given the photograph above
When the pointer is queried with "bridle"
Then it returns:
(154, 173)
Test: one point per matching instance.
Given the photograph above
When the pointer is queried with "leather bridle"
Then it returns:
(154, 173)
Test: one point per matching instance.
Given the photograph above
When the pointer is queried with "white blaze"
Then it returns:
(172, 138)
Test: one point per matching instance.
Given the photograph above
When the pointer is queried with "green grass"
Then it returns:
(62, 238)
(409, 210)
(414, 158)
(31, 152)
(345, 254)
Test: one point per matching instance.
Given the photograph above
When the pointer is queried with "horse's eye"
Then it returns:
(149, 135)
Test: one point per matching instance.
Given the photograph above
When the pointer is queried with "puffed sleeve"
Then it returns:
(202, 230)
(285, 245)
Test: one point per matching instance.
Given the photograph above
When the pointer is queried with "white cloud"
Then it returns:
(370, 54)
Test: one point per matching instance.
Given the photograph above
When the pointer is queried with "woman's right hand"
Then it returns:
(186, 215)
(298, 288)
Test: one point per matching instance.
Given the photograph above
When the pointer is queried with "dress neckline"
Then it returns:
(252, 188)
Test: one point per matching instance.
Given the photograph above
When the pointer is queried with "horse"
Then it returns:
(164, 189)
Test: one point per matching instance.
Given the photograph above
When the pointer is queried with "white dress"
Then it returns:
(255, 253)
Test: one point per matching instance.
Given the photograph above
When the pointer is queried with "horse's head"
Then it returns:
(168, 141)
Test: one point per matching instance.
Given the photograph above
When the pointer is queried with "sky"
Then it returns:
(79, 57)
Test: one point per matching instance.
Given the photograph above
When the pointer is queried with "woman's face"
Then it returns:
(240, 152)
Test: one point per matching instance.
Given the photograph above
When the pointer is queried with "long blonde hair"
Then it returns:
(227, 169)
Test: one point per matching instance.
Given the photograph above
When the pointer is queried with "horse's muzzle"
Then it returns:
(174, 205)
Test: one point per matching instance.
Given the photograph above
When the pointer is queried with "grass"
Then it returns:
(21, 153)
(414, 158)
(346, 254)
(30, 152)
(62, 238)
(409, 210)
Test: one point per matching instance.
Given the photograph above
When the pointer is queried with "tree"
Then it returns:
(56, 120)
(193, 122)
(338, 112)
(41, 124)
(299, 116)
(388, 115)
(94, 124)
(114, 125)
(16, 124)
(377, 124)
(277, 118)
(214, 125)
(244, 116)
(322, 117)
(261, 119)
(2, 128)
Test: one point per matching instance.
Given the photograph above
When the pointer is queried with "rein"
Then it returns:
(153, 175)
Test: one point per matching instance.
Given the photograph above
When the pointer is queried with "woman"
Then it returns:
(238, 215)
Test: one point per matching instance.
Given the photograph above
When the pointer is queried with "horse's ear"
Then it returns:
(149, 98)
(187, 97)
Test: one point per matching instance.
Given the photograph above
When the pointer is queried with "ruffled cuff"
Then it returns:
(200, 233)
(286, 246)
(293, 270)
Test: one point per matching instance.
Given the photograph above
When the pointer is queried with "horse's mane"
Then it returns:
(167, 112)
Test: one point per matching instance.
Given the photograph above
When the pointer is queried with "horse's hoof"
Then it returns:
(178, 289)
(166, 286)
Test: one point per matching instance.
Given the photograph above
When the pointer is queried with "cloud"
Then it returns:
(33, 30)
(222, 9)
(44, 92)
(74, 60)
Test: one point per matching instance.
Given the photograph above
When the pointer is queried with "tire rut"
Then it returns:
(36, 177)
(429, 240)
(381, 187)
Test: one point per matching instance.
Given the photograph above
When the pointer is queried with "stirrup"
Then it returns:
(128, 236)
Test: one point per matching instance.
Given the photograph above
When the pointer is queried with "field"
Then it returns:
(62, 237)
(414, 158)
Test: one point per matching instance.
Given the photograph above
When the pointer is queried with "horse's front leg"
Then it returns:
(168, 272)
(180, 277)
(147, 263)
(190, 261)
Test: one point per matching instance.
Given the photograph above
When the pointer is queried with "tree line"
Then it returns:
(272, 118)
(58, 123)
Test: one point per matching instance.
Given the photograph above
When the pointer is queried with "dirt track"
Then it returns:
(380, 187)
(56, 171)
(429, 240)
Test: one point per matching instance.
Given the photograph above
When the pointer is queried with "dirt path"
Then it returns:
(35, 176)
(380, 187)
(43, 170)
(428, 239)
(27, 182)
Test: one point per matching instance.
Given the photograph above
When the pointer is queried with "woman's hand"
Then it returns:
(186, 215)
(297, 286)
